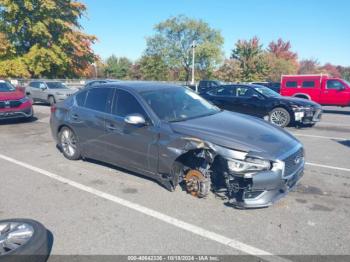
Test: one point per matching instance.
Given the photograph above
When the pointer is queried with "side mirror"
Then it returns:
(341, 88)
(135, 119)
(42, 87)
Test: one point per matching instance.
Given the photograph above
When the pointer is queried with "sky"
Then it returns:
(316, 29)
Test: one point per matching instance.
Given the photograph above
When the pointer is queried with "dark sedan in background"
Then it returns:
(173, 135)
(263, 102)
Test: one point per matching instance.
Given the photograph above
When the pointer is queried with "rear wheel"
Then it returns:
(279, 117)
(68, 143)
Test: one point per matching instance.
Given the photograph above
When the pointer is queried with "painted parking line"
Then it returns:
(322, 137)
(329, 167)
(228, 242)
(332, 123)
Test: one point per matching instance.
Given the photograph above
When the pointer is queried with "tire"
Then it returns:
(51, 100)
(68, 143)
(35, 248)
(279, 117)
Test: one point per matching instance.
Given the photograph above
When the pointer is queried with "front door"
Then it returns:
(129, 146)
(335, 93)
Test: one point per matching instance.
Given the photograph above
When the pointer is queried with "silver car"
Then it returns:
(48, 91)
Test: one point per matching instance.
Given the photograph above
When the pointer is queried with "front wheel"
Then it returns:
(279, 117)
(68, 143)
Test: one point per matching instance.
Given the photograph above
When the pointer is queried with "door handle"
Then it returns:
(75, 117)
(111, 127)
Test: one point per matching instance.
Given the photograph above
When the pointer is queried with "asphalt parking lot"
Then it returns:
(91, 208)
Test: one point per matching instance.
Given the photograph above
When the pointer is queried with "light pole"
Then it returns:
(193, 46)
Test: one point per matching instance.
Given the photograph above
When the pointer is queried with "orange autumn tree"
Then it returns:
(43, 38)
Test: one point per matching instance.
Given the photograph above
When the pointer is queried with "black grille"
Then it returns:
(10, 104)
(291, 165)
(15, 104)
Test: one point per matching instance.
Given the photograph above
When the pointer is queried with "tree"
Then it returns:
(173, 40)
(252, 60)
(229, 71)
(330, 70)
(117, 67)
(44, 38)
(153, 68)
(309, 66)
(345, 72)
(281, 49)
(279, 66)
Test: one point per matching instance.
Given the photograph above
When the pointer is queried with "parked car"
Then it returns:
(171, 134)
(96, 82)
(206, 85)
(322, 89)
(48, 91)
(263, 102)
(275, 86)
(14, 103)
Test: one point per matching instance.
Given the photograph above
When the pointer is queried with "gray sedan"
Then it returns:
(174, 136)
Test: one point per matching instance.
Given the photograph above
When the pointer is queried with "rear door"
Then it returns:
(88, 120)
(132, 147)
(224, 97)
(335, 93)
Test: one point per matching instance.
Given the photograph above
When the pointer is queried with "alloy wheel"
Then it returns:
(14, 235)
(68, 142)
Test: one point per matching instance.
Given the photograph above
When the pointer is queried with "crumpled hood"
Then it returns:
(239, 132)
(14, 95)
(298, 101)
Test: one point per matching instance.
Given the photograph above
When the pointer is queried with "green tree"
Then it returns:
(153, 68)
(279, 66)
(252, 59)
(229, 71)
(44, 37)
(117, 67)
(173, 40)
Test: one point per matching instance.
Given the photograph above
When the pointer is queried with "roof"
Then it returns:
(140, 86)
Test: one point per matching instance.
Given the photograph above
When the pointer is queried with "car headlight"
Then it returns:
(24, 99)
(248, 165)
(300, 108)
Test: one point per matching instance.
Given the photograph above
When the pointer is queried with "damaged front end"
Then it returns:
(244, 179)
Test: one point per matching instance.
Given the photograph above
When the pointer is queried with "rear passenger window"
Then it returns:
(308, 84)
(127, 104)
(292, 84)
(80, 98)
(98, 99)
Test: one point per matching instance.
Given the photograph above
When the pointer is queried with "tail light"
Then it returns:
(53, 109)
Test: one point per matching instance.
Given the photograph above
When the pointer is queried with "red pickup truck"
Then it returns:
(322, 89)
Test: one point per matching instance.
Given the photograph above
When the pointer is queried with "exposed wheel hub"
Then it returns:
(196, 183)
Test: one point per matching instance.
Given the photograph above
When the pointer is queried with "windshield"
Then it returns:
(178, 104)
(347, 82)
(6, 87)
(267, 91)
(56, 85)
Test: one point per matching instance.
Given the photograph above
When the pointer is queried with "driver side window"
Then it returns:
(334, 84)
(244, 92)
(126, 104)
